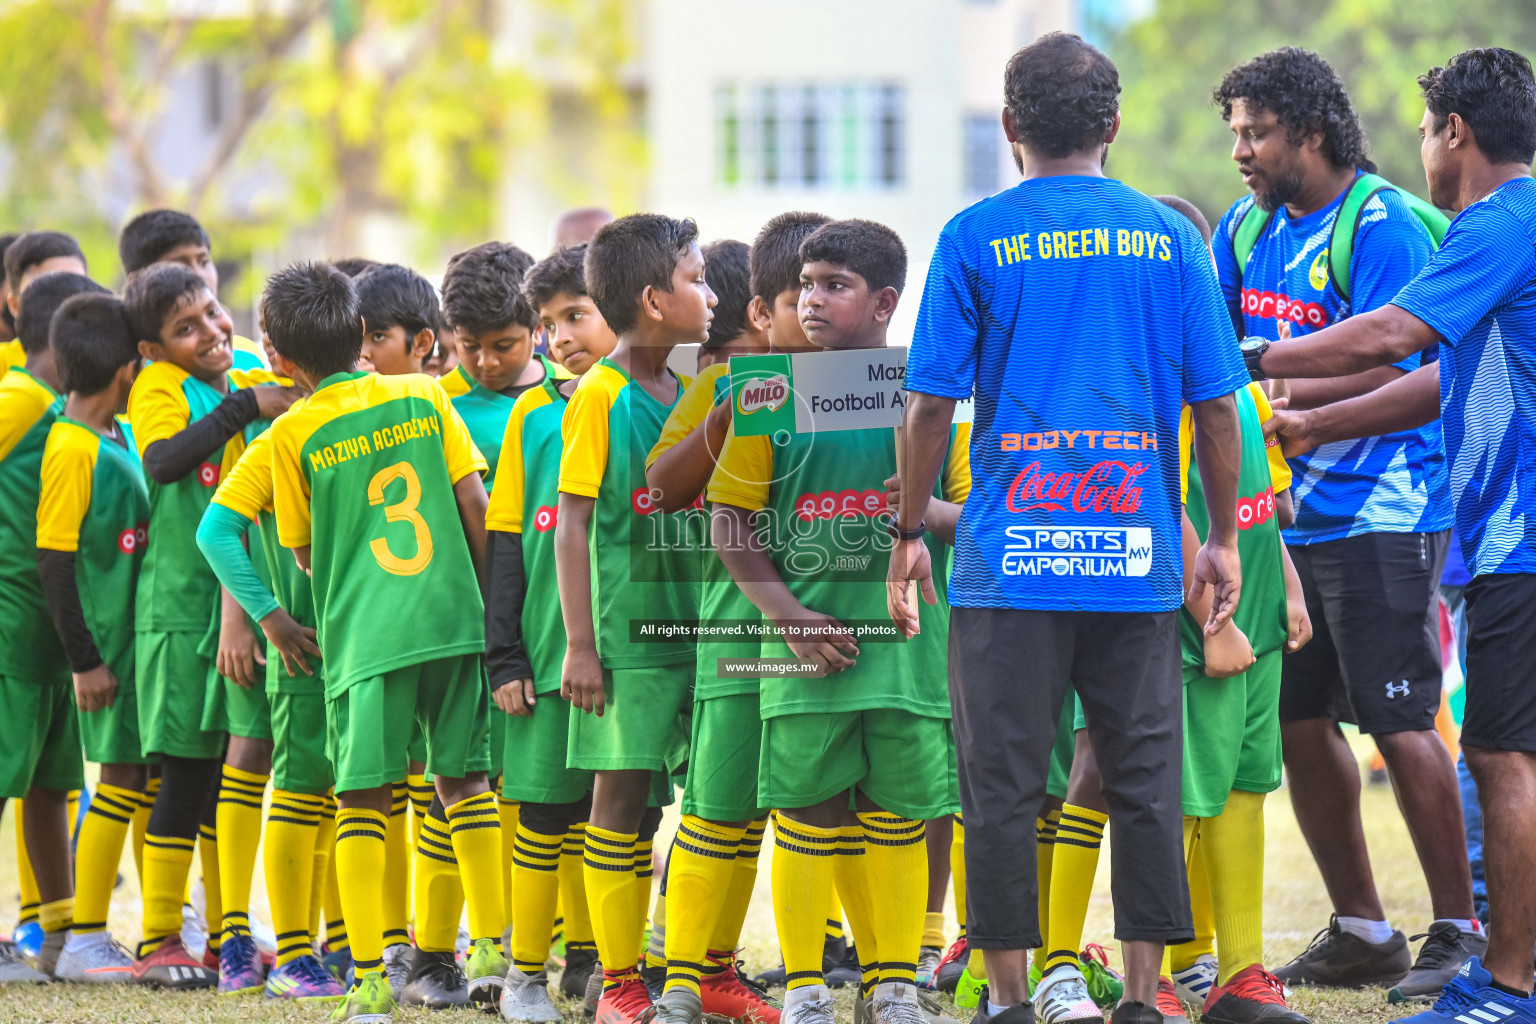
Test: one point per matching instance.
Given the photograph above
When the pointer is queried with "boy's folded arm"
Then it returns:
(680, 474)
(218, 536)
(941, 519)
(748, 563)
(506, 655)
(57, 570)
(173, 458)
(573, 568)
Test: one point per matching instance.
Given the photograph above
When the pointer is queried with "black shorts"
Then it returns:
(1501, 663)
(1374, 659)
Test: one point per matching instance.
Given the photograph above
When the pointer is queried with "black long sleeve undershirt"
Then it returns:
(57, 569)
(173, 458)
(506, 656)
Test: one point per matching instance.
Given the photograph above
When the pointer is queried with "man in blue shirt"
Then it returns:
(1082, 315)
(1476, 301)
(1371, 527)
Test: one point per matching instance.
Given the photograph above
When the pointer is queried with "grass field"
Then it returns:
(1295, 908)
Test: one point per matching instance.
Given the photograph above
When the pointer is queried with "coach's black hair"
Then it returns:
(1305, 94)
(44, 296)
(354, 266)
(726, 271)
(311, 314)
(559, 272)
(91, 341)
(873, 251)
(389, 295)
(35, 247)
(629, 255)
(154, 292)
(483, 289)
(775, 262)
(1062, 94)
(1493, 91)
(149, 236)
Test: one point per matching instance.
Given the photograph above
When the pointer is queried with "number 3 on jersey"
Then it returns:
(403, 511)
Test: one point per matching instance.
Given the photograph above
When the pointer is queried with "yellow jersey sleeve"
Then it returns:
(1186, 449)
(460, 451)
(69, 465)
(584, 433)
(253, 377)
(247, 487)
(12, 354)
(157, 407)
(290, 490)
(742, 473)
(956, 478)
(691, 410)
(22, 403)
(504, 512)
(1279, 469)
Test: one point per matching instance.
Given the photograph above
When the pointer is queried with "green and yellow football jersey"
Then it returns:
(176, 586)
(456, 381)
(644, 562)
(12, 354)
(485, 413)
(363, 474)
(29, 648)
(823, 520)
(93, 502)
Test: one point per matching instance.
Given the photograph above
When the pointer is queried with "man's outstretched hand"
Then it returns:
(1218, 568)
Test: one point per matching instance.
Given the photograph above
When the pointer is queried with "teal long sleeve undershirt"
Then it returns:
(218, 536)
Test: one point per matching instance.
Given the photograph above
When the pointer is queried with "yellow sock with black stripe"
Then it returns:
(58, 916)
(421, 793)
(288, 862)
(439, 895)
(608, 866)
(804, 859)
(535, 892)
(645, 877)
(1045, 856)
(733, 914)
(397, 869)
(360, 856)
(140, 826)
(851, 874)
(507, 811)
(1074, 862)
(1234, 864)
(475, 827)
(699, 873)
(834, 926)
(957, 872)
(573, 893)
(238, 815)
(98, 853)
(325, 897)
(1184, 955)
(213, 889)
(895, 866)
(167, 862)
(25, 879)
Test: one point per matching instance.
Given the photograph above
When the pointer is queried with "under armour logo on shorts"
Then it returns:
(1395, 690)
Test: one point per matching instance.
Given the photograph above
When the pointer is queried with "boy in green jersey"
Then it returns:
(188, 410)
(92, 525)
(377, 491)
(791, 523)
(525, 644)
(40, 755)
(621, 563)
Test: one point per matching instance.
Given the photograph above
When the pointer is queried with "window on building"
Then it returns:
(983, 150)
(811, 134)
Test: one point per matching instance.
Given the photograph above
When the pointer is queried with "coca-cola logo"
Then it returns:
(1256, 510)
(1269, 305)
(831, 504)
(208, 475)
(133, 540)
(765, 393)
(1108, 486)
(544, 519)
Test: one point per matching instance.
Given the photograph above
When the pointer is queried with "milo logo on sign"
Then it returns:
(762, 389)
(767, 393)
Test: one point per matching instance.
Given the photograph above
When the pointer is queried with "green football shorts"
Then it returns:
(370, 723)
(299, 764)
(41, 737)
(416, 750)
(1063, 750)
(111, 735)
(903, 762)
(533, 754)
(1231, 735)
(233, 709)
(173, 694)
(642, 725)
(496, 722)
(723, 759)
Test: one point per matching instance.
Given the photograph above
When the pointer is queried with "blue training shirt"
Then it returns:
(1395, 483)
(1479, 293)
(1082, 315)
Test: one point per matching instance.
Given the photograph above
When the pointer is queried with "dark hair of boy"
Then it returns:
(153, 293)
(44, 297)
(91, 341)
(873, 251)
(483, 289)
(1062, 95)
(559, 273)
(151, 235)
(775, 262)
(1191, 212)
(312, 318)
(630, 255)
(727, 272)
(1494, 92)
(354, 266)
(389, 295)
(1305, 94)
(36, 247)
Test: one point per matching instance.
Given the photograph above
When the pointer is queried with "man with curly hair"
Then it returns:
(1372, 520)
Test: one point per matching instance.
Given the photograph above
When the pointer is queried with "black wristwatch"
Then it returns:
(913, 534)
(1253, 350)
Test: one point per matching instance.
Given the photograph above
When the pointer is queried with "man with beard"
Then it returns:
(1371, 524)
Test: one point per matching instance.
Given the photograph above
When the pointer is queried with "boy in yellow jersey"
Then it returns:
(10, 351)
(188, 411)
(525, 643)
(40, 757)
(621, 563)
(876, 735)
(377, 491)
